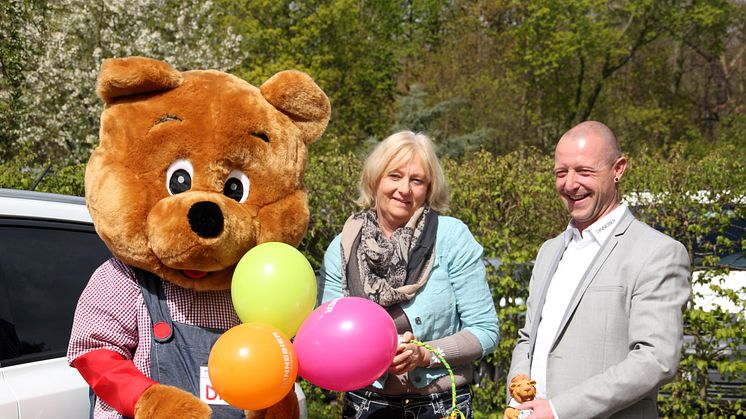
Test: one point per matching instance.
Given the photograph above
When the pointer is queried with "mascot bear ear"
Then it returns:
(296, 95)
(134, 75)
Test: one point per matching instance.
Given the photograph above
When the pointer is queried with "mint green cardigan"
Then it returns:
(456, 296)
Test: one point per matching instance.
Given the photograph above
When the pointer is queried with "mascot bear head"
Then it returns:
(195, 168)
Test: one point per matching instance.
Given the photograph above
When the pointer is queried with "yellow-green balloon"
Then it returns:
(274, 284)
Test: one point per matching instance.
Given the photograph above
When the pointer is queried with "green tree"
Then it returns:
(524, 72)
(346, 46)
(464, 66)
(414, 115)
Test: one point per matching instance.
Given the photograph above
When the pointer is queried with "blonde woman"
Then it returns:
(426, 269)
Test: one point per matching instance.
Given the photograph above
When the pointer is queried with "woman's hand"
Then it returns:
(408, 356)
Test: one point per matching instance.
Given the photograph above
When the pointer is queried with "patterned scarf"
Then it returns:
(387, 270)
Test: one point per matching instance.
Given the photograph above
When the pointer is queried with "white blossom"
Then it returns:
(60, 107)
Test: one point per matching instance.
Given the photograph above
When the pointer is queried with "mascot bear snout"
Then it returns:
(206, 219)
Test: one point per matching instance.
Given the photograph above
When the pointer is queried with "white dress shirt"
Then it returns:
(580, 249)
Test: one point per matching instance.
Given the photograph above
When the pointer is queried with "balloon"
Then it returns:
(273, 283)
(345, 344)
(252, 366)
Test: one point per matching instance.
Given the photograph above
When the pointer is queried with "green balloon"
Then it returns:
(274, 284)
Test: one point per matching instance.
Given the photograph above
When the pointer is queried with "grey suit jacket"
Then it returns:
(620, 338)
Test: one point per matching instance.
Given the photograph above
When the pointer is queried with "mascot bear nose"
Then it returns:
(206, 219)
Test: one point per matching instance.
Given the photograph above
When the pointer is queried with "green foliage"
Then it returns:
(321, 403)
(659, 72)
(414, 115)
(498, 75)
(347, 46)
(25, 172)
(332, 182)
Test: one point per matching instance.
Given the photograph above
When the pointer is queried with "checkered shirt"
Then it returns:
(111, 314)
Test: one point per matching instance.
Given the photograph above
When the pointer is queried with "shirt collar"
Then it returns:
(598, 231)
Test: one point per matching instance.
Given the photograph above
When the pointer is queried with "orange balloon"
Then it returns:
(252, 366)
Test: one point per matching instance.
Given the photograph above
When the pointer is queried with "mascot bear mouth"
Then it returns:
(194, 274)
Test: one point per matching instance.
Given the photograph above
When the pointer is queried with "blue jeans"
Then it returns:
(369, 405)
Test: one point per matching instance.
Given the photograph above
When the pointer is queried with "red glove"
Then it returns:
(115, 379)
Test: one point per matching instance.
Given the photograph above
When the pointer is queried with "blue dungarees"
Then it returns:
(175, 359)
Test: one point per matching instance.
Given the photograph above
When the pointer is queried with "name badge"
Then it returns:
(207, 392)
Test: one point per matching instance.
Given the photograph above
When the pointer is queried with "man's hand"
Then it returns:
(541, 409)
(408, 356)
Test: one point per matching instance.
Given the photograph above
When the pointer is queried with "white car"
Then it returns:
(48, 251)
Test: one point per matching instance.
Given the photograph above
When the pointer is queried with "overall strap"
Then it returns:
(155, 301)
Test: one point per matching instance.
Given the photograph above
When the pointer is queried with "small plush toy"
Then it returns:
(193, 169)
(522, 389)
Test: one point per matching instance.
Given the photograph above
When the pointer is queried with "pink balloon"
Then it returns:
(345, 344)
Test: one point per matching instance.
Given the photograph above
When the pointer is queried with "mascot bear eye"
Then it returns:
(237, 186)
(179, 177)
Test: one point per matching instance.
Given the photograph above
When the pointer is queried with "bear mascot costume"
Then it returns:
(193, 169)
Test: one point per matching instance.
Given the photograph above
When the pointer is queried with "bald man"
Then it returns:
(603, 324)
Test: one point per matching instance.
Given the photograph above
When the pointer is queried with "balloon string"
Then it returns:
(455, 413)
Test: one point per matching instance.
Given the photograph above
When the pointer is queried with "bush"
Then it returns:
(24, 172)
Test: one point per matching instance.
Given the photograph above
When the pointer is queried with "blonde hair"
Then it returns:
(399, 148)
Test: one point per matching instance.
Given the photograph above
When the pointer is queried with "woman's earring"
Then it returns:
(616, 180)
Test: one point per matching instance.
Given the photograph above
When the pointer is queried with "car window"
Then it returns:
(44, 267)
